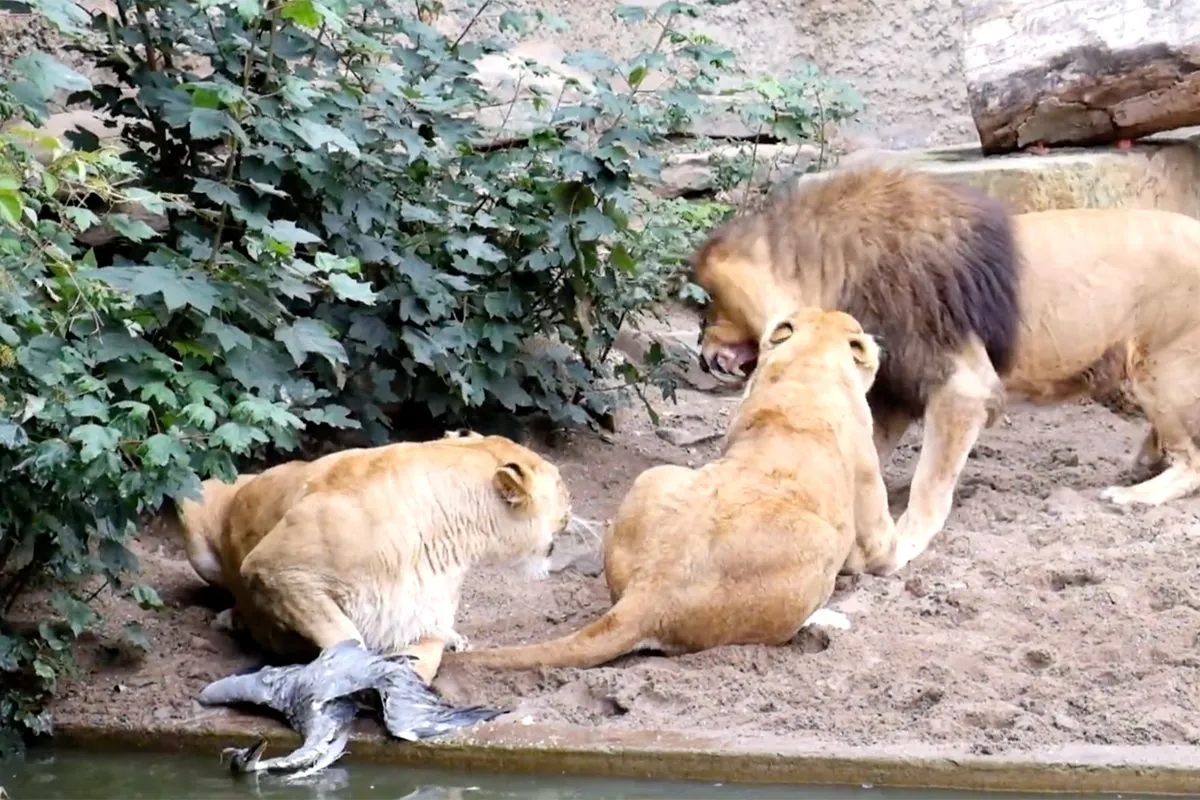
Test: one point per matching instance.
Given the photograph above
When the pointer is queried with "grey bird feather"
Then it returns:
(321, 699)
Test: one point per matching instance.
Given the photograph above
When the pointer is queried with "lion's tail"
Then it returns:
(619, 631)
(200, 523)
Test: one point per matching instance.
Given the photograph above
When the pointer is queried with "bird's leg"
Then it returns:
(325, 741)
(319, 700)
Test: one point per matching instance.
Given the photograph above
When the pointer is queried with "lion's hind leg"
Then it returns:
(1167, 386)
(289, 596)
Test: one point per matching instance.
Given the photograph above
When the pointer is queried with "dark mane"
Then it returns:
(922, 262)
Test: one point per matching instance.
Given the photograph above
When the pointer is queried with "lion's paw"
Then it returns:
(457, 643)
(827, 618)
(905, 553)
(1120, 496)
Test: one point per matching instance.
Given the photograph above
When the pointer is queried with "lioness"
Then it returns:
(745, 549)
(973, 305)
(373, 544)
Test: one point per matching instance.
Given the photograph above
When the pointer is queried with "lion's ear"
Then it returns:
(780, 333)
(863, 348)
(512, 482)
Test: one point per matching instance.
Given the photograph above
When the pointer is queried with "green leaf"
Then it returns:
(12, 435)
(116, 557)
(133, 229)
(264, 188)
(78, 615)
(44, 671)
(630, 13)
(81, 218)
(199, 415)
(11, 207)
(327, 262)
(48, 74)
(146, 597)
(152, 202)
(475, 247)
(512, 21)
(211, 123)
(302, 12)
(317, 135)
(238, 438)
(414, 213)
(96, 440)
(287, 232)
(135, 634)
(57, 643)
(310, 336)
(509, 392)
(346, 288)
(228, 336)
(162, 448)
(333, 415)
(593, 224)
(160, 392)
(88, 407)
(66, 15)
(219, 193)
(178, 288)
(504, 304)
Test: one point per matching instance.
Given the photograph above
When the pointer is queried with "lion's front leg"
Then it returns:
(426, 655)
(875, 542)
(957, 411)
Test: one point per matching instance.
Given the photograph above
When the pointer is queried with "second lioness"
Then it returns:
(373, 544)
(745, 549)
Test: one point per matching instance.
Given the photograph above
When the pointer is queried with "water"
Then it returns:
(78, 775)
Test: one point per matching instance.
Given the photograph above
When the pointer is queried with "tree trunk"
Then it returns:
(1080, 71)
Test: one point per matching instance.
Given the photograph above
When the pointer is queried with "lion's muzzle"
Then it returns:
(730, 363)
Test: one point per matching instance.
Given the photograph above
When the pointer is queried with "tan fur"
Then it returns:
(1109, 307)
(373, 544)
(745, 549)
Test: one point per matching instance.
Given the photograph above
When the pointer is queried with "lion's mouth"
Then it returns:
(732, 363)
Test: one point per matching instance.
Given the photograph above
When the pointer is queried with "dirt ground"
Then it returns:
(1039, 617)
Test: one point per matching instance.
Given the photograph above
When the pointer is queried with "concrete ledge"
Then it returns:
(1163, 174)
(665, 755)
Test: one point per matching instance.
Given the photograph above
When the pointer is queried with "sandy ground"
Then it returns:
(1040, 616)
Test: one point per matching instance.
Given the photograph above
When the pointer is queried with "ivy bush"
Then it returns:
(305, 228)
(107, 405)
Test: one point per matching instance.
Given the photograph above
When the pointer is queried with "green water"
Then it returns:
(79, 775)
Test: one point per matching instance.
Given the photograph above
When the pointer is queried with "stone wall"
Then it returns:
(903, 56)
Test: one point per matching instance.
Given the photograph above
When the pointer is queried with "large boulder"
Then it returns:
(1080, 71)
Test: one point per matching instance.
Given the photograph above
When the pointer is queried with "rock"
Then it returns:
(200, 643)
(696, 173)
(681, 437)
(581, 554)
(680, 348)
(1080, 72)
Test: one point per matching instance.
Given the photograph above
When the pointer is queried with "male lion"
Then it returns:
(973, 305)
(359, 556)
(745, 549)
